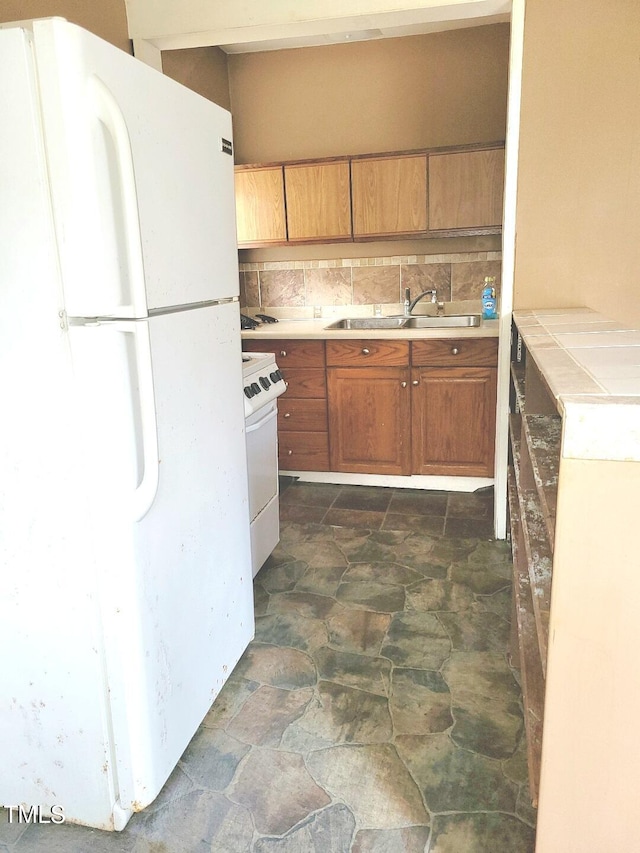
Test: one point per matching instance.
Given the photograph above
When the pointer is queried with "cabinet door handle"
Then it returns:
(289, 452)
(454, 350)
(283, 353)
(287, 415)
(403, 384)
(365, 351)
(416, 382)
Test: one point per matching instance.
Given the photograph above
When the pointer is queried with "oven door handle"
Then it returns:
(269, 416)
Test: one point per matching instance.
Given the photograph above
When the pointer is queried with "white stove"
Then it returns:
(263, 384)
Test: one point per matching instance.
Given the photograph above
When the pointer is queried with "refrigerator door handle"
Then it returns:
(145, 493)
(109, 113)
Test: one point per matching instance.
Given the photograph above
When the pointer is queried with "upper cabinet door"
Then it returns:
(465, 190)
(318, 201)
(389, 195)
(260, 214)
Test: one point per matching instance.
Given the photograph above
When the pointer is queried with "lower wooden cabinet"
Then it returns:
(453, 420)
(387, 406)
(369, 411)
(303, 438)
(453, 406)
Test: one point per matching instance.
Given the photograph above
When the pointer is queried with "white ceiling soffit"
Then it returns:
(253, 25)
(343, 37)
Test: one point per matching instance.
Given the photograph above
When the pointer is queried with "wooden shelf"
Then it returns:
(517, 381)
(536, 548)
(532, 677)
(543, 434)
(535, 431)
(572, 485)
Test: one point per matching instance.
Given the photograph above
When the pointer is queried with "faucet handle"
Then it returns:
(407, 294)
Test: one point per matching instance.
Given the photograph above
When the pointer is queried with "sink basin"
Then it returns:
(369, 323)
(448, 321)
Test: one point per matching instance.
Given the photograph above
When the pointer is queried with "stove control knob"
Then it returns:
(248, 391)
(255, 388)
(274, 376)
(279, 375)
(264, 382)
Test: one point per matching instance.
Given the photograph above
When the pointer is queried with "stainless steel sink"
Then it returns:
(369, 323)
(447, 321)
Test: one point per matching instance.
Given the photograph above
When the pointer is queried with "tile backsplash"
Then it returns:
(366, 281)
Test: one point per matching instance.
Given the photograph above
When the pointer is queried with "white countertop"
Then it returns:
(591, 365)
(309, 328)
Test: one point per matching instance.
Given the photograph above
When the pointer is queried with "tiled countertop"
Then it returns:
(591, 365)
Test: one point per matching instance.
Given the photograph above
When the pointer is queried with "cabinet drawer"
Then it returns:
(445, 352)
(303, 451)
(301, 415)
(368, 353)
(305, 382)
(290, 353)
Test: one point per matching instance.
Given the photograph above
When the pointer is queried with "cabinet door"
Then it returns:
(369, 411)
(465, 190)
(318, 201)
(389, 195)
(453, 420)
(260, 206)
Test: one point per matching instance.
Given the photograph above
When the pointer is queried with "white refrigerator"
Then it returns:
(125, 589)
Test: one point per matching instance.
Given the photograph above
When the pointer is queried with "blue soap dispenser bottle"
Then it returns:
(488, 299)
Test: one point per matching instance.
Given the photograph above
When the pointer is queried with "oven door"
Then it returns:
(262, 466)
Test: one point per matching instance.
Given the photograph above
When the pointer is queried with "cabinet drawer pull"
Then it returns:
(287, 415)
(454, 350)
(415, 382)
(283, 353)
(403, 384)
(289, 452)
(365, 351)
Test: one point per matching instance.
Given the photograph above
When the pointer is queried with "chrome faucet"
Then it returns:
(410, 304)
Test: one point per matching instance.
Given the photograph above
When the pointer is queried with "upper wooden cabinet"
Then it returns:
(389, 196)
(379, 197)
(465, 190)
(318, 201)
(260, 212)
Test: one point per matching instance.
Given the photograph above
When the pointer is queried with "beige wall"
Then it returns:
(203, 69)
(387, 95)
(578, 214)
(107, 18)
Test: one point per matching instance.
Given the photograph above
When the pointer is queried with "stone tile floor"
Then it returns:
(375, 711)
